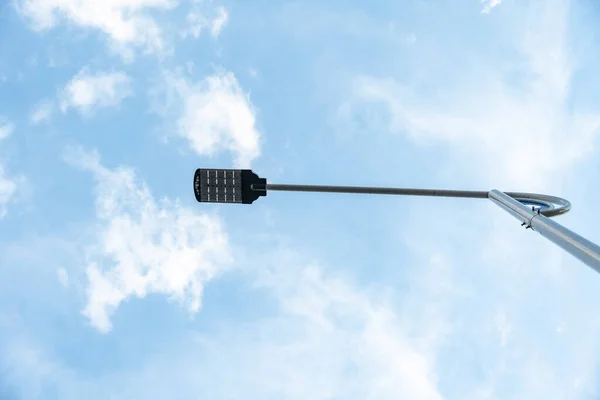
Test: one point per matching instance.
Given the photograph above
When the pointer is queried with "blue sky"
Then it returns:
(116, 284)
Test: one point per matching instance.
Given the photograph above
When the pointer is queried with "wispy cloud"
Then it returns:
(6, 128)
(410, 38)
(345, 340)
(87, 91)
(126, 22)
(504, 127)
(198, 20)
(219, 22)
(145, 246)
(129, 24)
(323, 337)
(214, 114)
(42, 113)
(8, 185)
(63, 276)
(489, 4)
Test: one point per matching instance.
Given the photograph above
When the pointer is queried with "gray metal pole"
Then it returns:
(578, 246)
(550, 202)
(373, 190)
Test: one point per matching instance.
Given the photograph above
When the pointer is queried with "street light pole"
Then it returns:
(532, 209)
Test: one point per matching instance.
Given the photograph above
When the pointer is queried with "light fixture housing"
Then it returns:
(227, 186)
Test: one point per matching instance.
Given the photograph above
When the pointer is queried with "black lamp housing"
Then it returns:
(240, 186)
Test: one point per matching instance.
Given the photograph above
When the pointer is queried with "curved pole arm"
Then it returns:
(578, 246)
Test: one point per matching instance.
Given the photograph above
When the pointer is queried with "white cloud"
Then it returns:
(216, 115)
(335, 339)
(518, 135)
(6, 128)
(253, 72)
(198, 21)
(322, 337)
(489, 4)
(8, 185)
(145, 246)
(87, 92)
(410, 38)
(63, 277)
(126, 22)
(219, 22)
(42, 113)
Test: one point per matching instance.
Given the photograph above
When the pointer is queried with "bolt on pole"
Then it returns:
(580, 247)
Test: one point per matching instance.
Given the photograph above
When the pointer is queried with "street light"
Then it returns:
(533, 210)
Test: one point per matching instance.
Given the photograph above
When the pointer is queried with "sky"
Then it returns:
(116, 284)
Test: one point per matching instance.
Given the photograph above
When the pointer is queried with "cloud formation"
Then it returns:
(489, 4)
(323, 336)
(145, 246)
(86, 92)
(8, 185)
(126, 22)
(198, 21)
(214, 114)
(6, 128)
(504, 127)
(42, 113)
(129, 24)
(333, 338)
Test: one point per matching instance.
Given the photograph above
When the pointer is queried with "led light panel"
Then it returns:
(227, 186)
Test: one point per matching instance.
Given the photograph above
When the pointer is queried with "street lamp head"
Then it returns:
(228, 186)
